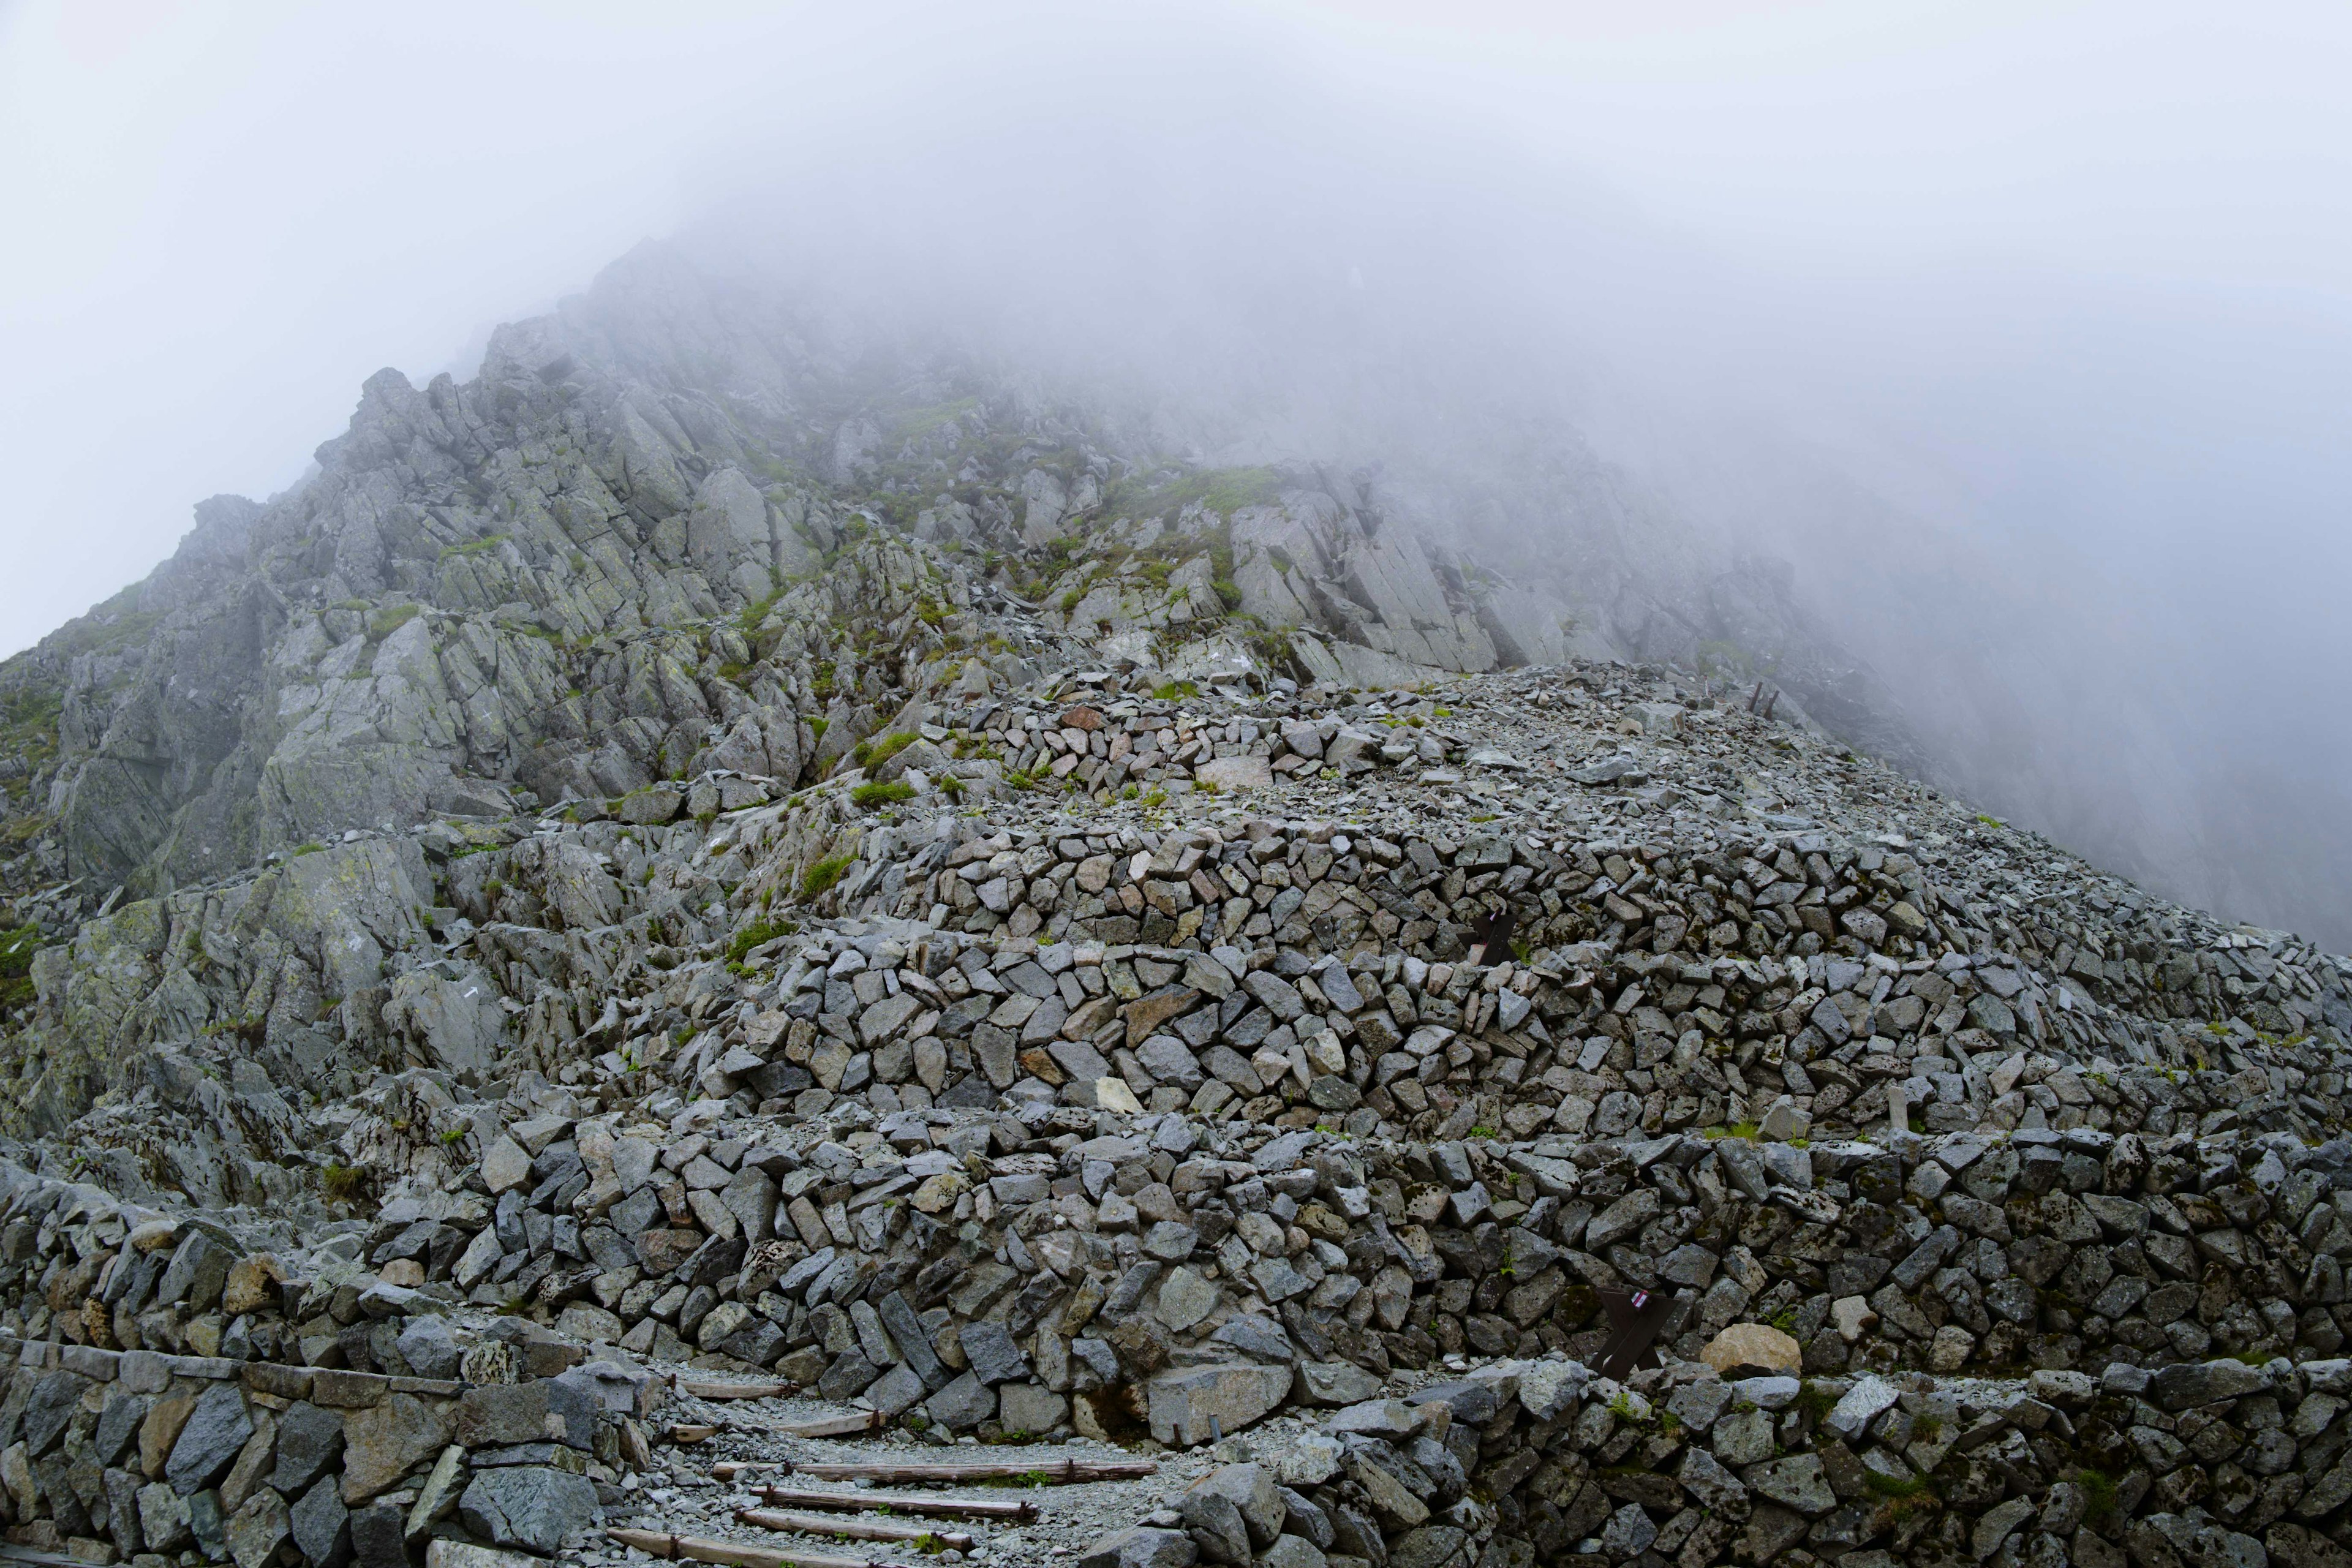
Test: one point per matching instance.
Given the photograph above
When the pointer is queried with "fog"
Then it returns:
(2021, 329)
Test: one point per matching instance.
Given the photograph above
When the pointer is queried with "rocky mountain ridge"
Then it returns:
(700, 854)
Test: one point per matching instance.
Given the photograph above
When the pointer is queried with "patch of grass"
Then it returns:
(481, 546)
(2098, 1493)
(819, 878)
(874, 754)
(313, 847)
(389, 619)
(755, 934)
(17, 949)
(1813, 1399)
(1880, 1484)
(341, 1182)
(1175, 690)
(874, 794)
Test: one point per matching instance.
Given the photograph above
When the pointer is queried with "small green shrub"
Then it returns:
(874, 794)
(819, 878)
(2098, 1493)
(1882, 1485)
(757, 933)
(874, 754)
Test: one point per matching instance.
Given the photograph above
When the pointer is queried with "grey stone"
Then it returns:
(208, 1445)
(1377, 1418)
(2188, 1384)
(991, 1356)
(1859, 1405)
(1798, 1482)
(1436, 1545)
(379, 1536)
(428, 1348)
(1232, 1511)
(914, 1346)
(1029, 1407)
(1170, 1241)
(123, 1512)
(849, 1375)
(442, 1552)
(962, 1404)
(385, 1441)
(1259, 1338)
(54, 1400)
(309, 1441)
(207, 1525)
(1743, 1438)
(895, 1390)
(197, 1272)
(1192, 1406)
(118, 1424)
(1335, 1383)
(164, 1518)
(1186, 1299)
(438, 1495)
(562, 1409)
(1142, 1547)
(1302, 1515)
(321, 1524)
(254, 1531)
(524, 1507)
(1628, 1533)
(1716, 1488)
(1292, 1552)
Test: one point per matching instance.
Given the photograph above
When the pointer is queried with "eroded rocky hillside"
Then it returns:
(702, 863)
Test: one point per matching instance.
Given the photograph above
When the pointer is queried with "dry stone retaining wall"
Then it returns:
(2199, 1465)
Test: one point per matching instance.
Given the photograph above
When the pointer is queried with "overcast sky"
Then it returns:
(224, 216)
(2067, 280)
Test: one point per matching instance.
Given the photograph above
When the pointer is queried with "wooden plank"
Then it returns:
(1049, 1472)
(733, 1555)
(854, 1529)
(830, 1426)
(1017, 1510)
(702, 1389)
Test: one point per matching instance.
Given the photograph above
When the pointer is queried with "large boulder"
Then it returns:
(1197, 1404)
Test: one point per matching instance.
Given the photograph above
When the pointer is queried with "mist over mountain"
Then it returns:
(2053, 492)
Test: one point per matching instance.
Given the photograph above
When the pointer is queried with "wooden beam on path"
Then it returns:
(1049, 1472)
(1017, 1510)
(854, 1528)
(702, 1389)
(733, 1555)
